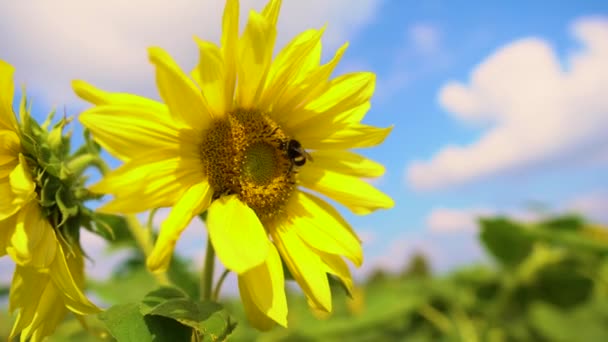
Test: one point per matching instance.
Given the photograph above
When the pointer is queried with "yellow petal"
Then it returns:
(322, 227)
(160, 176)
(67, 275)
(7, 228)
(256, 318)
(179, 93)
(7, 207)
(21, 181)
(10, 147)
(357, 195)
(50, 311)
(343, 94)
(41, 302)
(321, 127)
(230, 37)
(150, 109)
(48, 325)
(255, 55)
(27, 289)
(271, 12)
(33, 241)
(351, 136)
(7, 91)
(306, 87)
(128, 131)
(148, 183)
(264, 289)
(305, 266)
(237, 234)
(17, 190)
(211, 77)
(336, 266)
(193, 202)
(287, 65)
(347, 162)
(6, 169)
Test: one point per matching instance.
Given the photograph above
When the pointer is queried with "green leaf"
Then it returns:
(567, 223)
(179, 274)
(126, 323)
(560, 325)
(208, 318)
(563, 285)
(157, 297)
(505, 240)
(572, 240)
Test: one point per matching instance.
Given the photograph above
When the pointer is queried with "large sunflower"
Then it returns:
(48, 279)
(241, 139)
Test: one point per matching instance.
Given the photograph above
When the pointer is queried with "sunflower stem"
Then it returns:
(144, 240)
(207, 273)
(218, 286)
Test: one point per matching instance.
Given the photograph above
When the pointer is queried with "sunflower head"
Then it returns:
(40, 216)
(254, 140)
(58, 174)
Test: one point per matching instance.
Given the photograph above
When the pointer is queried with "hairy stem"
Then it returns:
(218, 286)
(144, 240)
(207, 273)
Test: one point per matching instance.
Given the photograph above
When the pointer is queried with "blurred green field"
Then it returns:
(549, 282)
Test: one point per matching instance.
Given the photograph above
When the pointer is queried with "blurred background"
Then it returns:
(500, 111)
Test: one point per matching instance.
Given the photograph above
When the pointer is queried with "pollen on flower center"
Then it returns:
(259, 163)
(245, 153)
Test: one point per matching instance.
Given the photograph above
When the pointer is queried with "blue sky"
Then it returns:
(495, 105)
(416, 48)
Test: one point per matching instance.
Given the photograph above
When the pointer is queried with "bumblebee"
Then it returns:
(296, 153)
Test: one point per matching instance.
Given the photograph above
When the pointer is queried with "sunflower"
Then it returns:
(250, 140)
(47, 281)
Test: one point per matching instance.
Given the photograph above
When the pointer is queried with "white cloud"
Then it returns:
(449, 220)
(537, 111)
(104, 42)
(443, 251)
(592, 206)
(420, 52)
(7, 266)
(466, 220)
(367, 236)
(425, 38)
(396, 254)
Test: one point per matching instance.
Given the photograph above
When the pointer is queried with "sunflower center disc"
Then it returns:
(245, 154)
(259, 163)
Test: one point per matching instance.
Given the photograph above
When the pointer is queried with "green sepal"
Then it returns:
(66, 206)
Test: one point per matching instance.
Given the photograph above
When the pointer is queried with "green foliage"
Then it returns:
(209, 319)
(126, 323)
(417, 267)
(506, 240)
(550, 283)
(168, 314)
